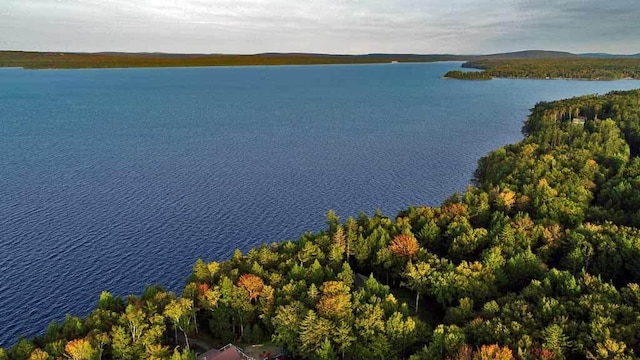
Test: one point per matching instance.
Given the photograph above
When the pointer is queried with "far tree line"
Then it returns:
(559, 68)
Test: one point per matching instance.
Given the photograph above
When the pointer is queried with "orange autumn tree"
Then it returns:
(203, 288)
(252, 284)
(405, 246)
(453, 210)
(493, 352)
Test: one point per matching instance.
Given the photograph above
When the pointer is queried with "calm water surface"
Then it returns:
(113, 179)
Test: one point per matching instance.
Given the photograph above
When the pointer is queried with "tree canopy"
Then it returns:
(467, 75)
(558, 68)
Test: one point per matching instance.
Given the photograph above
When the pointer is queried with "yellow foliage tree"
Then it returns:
(79, 349)
(181, 312)
(505, 199)
(38, 354)
(335, 300)
(610, 349)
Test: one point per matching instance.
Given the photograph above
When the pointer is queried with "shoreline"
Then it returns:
(44, 61)
(537, 78)
(221, 66)
(584, 69)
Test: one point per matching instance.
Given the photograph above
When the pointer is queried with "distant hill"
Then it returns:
(159, 55)
(528, 54)
(380, 56)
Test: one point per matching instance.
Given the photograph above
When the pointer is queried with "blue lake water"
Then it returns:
(113, 179)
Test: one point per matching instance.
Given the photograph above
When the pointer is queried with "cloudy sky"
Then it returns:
(327, 26)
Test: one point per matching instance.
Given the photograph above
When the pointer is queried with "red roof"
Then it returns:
(230, 353)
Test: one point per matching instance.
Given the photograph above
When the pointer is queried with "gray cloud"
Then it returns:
(337, 26)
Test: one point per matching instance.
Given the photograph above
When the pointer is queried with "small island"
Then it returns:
(467, 75)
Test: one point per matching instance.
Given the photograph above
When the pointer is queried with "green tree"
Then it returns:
(179, 311)
(326, 352)
(314, 331)
(286, 324)
(554, 339)
(333, 221)
(445, 342)
(122, 346)
(417, 278)
(400, 332)
(22, 350)
(343, 337)
(201, 272)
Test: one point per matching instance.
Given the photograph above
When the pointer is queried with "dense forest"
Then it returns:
(560, 68)
(43, 60)
(540, 259)
(467, 75)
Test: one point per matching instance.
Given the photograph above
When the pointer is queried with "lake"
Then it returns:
(113, 179)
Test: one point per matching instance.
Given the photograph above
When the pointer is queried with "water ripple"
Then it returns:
(115, 179)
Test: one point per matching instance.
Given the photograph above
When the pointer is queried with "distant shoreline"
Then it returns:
(108, 60)
(593, 69)
(41, 61)
(537, 78)
(541, 65)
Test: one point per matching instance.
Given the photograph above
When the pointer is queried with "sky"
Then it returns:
(320, 26)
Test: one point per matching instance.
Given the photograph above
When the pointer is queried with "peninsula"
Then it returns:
(582, 68)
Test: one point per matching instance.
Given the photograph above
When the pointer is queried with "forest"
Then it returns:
(467, 75)
(51, 60)
(560, 68)
(538, 259)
